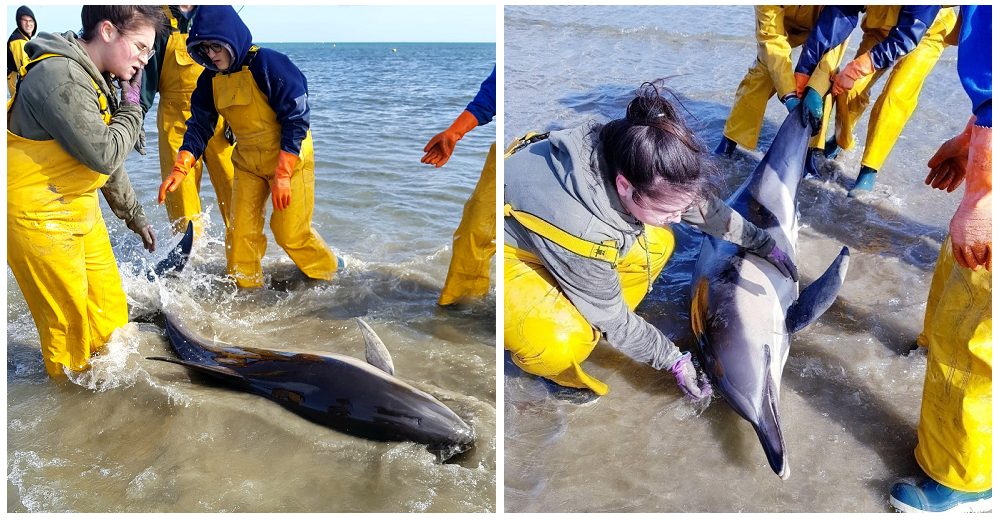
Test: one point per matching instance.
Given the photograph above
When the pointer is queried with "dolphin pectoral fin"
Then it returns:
(224, 373)
(819, 296)
(768, 424)
(375, 352)
(178, 256)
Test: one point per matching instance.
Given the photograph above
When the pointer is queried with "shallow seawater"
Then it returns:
(135, 435)
(852, 386)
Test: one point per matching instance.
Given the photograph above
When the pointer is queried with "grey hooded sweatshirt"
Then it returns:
(56, 100)
(559, 180)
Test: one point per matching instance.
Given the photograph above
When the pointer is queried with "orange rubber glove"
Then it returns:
(950, 162)
(185, 160)
(441, 146)
(801, 80)
(281, 188)
(972, 226)
(856, 69)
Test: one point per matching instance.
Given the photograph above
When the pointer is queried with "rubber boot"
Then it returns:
(726, 147)
(832, 149)
(812, 169)
(925, 495)
(864, 182)
(577, 396)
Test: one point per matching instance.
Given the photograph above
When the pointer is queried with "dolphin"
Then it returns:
(341, 392)
(176, 258)
(743, 310)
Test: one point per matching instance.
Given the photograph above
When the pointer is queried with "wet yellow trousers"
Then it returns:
(545, 334)
(474, 242)
(60, 254)
(747, 115)
(258, 135)
(955, 435)
(177, 81)
(899, 96)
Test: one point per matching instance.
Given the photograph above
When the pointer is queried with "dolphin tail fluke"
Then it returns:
(768, 430)
(178, 256)
(376, 353)
(819, 296)
(227, 374)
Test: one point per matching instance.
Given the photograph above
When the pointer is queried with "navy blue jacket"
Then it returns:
(282, 83)
(974, 66)
(484, 105)
(836, 22)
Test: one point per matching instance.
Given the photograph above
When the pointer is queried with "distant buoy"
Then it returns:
(393, 50)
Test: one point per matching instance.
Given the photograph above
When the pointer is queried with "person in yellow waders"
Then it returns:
(68, 135)
(263, 97)
(173, 74)
(474, 242)
(16, 57)
(780, 28)
(906, 40)
(587, 216)
(955, 434)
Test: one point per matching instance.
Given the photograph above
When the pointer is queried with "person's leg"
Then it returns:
(245, 240)
(954, 436)
(747, 115)
(107, 306)
(218, 159)
(184, 204)
(293, 229)
(474, 242)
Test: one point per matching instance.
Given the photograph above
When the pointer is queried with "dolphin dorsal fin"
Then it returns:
(375, 352)
(819, 296)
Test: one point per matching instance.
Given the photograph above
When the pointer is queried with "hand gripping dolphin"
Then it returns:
(743, 310)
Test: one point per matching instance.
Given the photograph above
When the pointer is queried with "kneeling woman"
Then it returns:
(263, 97)
(586, 232)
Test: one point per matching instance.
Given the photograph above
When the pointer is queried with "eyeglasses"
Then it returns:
(145, 52)
(208, 46)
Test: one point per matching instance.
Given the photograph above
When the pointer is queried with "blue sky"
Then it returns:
(336, 23)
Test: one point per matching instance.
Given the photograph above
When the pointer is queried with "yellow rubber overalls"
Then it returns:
(544, 332)
(902, 89)
(58, 247)
(779, 30)
(474, 242)
(178, 78)
(258, 141)
(954, 438)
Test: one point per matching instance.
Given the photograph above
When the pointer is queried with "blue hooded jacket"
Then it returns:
(975, 68)
(484, 105)
(281, 82)
(836, 22)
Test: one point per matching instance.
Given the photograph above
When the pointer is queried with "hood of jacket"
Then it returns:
(218, 23)
(578, 161)
(68, 45)
(25, 10)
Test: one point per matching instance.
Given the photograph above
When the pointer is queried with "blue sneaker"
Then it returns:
(864, 182)
(811, 169)
(340, 262)
(832, 149)
(925, 495)
(726, 147)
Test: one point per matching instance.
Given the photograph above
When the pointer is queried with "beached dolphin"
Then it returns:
(341, 392)
(743, 309)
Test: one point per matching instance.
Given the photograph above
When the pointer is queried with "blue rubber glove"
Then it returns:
(812, 109)
(693, 386)
(790, 102)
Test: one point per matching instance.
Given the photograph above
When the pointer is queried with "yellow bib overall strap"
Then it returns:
(606, 251)
(170, 17)
(179, 73)
(523, 141)
(102, 100)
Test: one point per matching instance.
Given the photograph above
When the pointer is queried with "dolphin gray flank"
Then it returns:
(743, 310)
